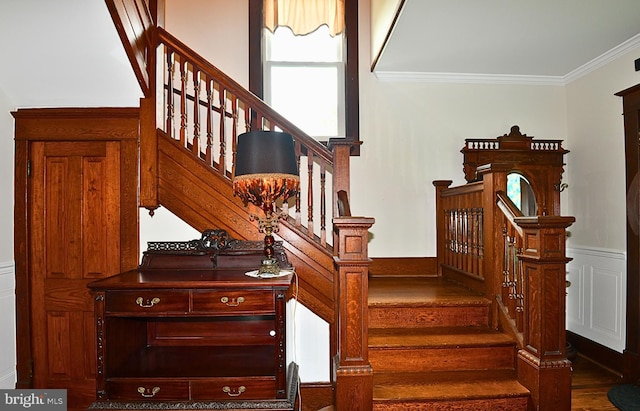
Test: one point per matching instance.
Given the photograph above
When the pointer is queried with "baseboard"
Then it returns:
(597, 353)
(315, 396)
(403, 267)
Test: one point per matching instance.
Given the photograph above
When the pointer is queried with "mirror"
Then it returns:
(520, 192)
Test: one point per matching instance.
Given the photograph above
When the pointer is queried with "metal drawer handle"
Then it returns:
(143, 392)
(140, 302)
(240, 390)
(233, 302)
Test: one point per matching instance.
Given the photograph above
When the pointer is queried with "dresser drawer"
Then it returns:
(147, 301)
(229, 302)
(249, 388)
(148, 390)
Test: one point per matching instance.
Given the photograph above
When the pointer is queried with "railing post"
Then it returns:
(341, 149)
(149, 112)
(542, 363)
(148, 154)
(440, 186)
(353, 373)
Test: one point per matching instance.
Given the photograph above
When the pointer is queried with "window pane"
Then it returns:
(318, 46)
(308, 97)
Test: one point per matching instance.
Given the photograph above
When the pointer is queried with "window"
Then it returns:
(318, 59)
(304, 79)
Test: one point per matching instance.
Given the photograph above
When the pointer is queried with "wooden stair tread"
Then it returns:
(437, 337)
(446, 386)
(403, 291)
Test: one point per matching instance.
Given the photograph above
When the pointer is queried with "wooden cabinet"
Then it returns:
(192, 335)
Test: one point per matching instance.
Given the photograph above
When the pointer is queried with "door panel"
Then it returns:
(75, 238)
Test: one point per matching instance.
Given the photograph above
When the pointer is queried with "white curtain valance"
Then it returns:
(304, 16)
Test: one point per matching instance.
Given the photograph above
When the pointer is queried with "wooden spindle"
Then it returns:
(323, 206)
(183, 103)
(298, 213)
(195, 144)
(222, 103)
(169, 93)
(209, 151)
(310, 193)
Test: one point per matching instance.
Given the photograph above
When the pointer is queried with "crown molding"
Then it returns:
(471, 78)
(468, 78)
(605, 58)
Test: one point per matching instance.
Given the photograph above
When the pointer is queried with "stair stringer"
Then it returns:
(204, 199)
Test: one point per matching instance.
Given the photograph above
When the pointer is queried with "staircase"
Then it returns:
(431, 348)
(422, 343)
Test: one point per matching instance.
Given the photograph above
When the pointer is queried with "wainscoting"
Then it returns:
(7, 326)
(596, 299)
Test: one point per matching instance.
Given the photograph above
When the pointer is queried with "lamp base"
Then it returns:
(269, 266)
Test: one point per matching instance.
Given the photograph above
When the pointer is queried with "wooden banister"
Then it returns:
(524, 276)
(204, 110)
(523, 259)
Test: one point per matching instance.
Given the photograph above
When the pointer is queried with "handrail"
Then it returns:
(509, 209)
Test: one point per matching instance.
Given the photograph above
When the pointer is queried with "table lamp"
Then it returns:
(266, 169)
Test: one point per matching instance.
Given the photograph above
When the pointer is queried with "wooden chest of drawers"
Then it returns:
(191, 336)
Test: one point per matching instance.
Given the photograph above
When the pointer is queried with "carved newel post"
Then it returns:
(543, 366)
(353, 373)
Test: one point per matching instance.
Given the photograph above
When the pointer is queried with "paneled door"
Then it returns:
(75, 239)
(81, 214)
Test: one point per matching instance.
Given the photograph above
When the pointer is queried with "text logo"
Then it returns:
(37, 400)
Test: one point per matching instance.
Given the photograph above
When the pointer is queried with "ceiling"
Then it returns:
(518, 40)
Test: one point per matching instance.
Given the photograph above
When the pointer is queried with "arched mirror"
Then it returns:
(520, 192)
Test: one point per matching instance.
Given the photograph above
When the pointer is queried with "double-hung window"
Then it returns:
(304, 79)
(310, 77)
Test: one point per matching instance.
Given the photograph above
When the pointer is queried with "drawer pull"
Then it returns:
(151, 303)
(143, 391)
(233, 302)
(237, 393)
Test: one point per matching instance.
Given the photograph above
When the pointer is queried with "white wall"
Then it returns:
(596, 196)
(7, 267)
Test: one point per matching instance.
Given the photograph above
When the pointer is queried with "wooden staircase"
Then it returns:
(431, 348)
(425, 345)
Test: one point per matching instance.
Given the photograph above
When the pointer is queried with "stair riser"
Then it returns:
(441, 359)
(419, 317)
(498, 404)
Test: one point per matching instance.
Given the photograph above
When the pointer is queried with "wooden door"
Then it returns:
(76, 221)
(75, 237)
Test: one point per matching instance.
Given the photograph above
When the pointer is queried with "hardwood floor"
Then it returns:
(589, 386)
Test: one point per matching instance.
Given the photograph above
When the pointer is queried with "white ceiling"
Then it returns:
(534, 40)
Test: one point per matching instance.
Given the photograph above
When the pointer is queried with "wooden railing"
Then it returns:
(511, 301)
(463, 218)
(204, 111)
(518, 263)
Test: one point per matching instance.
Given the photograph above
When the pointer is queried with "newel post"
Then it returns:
(149, 111)
(353, 374)
(440, 186)
(542, 363)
